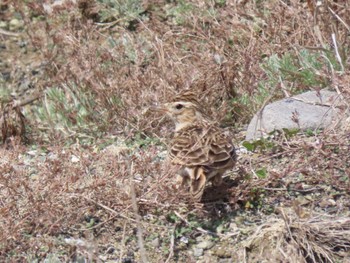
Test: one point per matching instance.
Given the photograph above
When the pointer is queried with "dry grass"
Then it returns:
(58, 192)
(222, 51)
(291, 239)
(70, 194)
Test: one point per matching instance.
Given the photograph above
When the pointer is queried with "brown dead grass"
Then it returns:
(217, 54)
(291, 239)
(45, 196)
(75, 201)
(70, 201)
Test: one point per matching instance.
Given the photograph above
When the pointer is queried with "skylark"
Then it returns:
(201, 148)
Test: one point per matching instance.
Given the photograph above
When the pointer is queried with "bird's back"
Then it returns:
(202, 144)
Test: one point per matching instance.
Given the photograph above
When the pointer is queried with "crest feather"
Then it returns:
(187, 96)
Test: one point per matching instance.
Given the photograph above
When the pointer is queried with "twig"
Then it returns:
(137, 215)
(259, 114)
(275, 155)
(198, 228)
(339, 18)
(123, 243)
(172, 242)
(293, 190)
(105, 207)
(329, 105)
(286, 219)
(117, 214)
(337, 52)
(8, 33)
(95, 226)
(26, 101)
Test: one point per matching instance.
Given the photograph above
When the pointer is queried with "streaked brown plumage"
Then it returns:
(202, 149)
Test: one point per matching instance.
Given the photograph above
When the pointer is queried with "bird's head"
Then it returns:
(184, 110)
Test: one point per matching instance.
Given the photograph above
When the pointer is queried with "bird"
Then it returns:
(203, 150)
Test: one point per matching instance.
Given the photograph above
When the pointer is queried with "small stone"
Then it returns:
(32, 153)
(220, 229)
(110, 250)
(222, 252)
(218, 59)
(22, 44)
(15, 24)
(103, 257)
(80, 259)
(127, 260)
(233, 227)
(303, 200)
(74, 159)
(52, 156)
(138, 177)
(199, 238)
(225, 260)
(155, 242)
(239, 220)
(184, 239)
(198, 252)
(3, 24)
(6, 75)
(206, 244)
(327, 203)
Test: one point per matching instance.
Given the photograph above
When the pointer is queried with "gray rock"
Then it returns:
(310, 110)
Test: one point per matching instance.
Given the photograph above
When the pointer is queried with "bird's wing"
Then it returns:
(222, 154)
(208, 147)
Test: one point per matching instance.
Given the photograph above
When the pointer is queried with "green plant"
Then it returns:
(68, 112)
(180, 11)
(301, 69)
(261, 173)
(261, 144)
(124, 12)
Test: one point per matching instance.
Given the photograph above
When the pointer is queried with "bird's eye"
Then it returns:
(179, 106)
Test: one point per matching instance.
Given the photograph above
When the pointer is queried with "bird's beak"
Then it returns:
(164, 108)
(161, 108)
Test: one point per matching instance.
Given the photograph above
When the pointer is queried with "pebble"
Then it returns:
(80, 259)
(327, 203)
(110, 250)
(22, 44)
(222, 252)
(155, 242)
(52, 156)
(74, 159)
(220, 229)
(15, 24)
(225, 260)
(184, 239)
(127, 260)
(32, 153)
(3, 24)
(206, 244)
(198, 252)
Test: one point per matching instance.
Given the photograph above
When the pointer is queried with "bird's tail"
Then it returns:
(198, 183)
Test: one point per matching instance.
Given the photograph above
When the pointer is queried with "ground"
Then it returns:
(84, 174)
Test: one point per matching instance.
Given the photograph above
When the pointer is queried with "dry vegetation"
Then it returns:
(83, 168)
